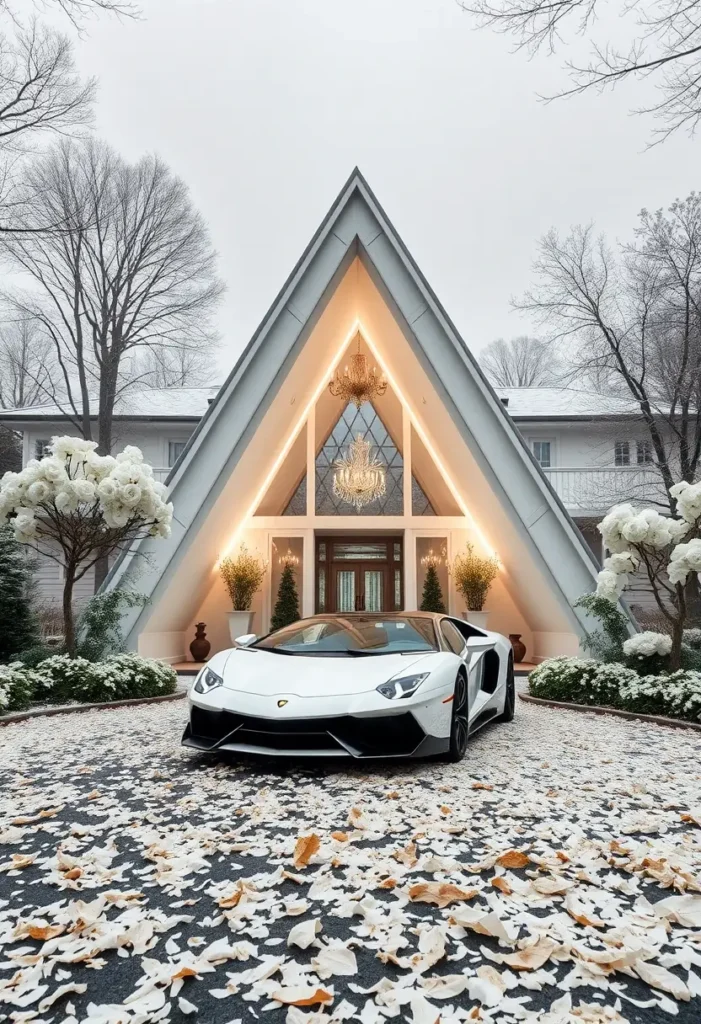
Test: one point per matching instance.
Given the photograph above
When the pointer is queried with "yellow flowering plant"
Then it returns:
(473, 576)
(243, 576)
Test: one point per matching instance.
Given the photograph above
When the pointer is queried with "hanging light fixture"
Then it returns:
(289, 559)
(359, 478)
(433, 559)
(358, 384)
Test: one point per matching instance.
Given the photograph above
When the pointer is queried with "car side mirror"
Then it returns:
(246, 639)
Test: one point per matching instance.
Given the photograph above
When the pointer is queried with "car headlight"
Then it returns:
(395, 689)
(207, 680)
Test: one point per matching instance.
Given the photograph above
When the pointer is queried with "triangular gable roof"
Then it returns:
(357, 226)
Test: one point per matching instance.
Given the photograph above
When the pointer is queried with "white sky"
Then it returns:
(265, 106)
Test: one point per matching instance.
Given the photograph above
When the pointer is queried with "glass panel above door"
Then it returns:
(360, 552)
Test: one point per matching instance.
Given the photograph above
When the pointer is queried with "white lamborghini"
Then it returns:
(412, 684)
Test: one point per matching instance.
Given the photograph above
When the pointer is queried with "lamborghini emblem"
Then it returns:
(281, 703)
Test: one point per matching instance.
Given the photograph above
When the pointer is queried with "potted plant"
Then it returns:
(243, 576)
(473, 577)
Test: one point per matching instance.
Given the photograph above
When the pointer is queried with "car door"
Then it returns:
(474, 663)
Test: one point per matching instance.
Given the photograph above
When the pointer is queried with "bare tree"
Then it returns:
(27, 363)
(176, 366)
(664, 46)
(522, 362)
(632, 320)
(77, 10)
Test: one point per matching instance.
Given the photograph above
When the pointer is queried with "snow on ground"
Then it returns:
(553, 876)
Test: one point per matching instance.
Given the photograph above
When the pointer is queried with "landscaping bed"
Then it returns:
(63, 680)
(596, 684)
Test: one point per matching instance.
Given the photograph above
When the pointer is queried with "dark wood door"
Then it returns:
(356, 574)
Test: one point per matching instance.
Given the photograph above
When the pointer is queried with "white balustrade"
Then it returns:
(593, 490)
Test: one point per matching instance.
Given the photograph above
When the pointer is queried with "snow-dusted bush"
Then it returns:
(648, 652)
(664, 549)
(77, 507)
(692, 638)
(16, 687)
(579, 681)
(61, 679)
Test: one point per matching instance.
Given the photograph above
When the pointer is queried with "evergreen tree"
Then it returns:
(432, 598)
(287, 604)
(20, 629)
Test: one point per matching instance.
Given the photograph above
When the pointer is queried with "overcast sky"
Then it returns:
(265, 106)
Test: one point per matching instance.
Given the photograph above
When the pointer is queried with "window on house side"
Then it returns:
(41, 448)
(175, 450)
(644, 452)
(621, 453)
(541, 450)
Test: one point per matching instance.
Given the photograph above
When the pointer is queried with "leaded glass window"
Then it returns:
(297, 505)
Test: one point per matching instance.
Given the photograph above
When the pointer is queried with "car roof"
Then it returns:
(377, 615)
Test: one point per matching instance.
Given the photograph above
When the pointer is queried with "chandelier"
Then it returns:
(359, 478)
(358, 384)
(434, 560)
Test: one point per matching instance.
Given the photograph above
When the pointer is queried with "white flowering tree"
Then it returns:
(77, 507)
(665, 550)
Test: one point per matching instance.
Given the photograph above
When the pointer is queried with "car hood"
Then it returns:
(259, 671)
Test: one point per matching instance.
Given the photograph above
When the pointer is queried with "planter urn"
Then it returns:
(518, 647)
(476, 618)
(239, 624)
(200, 646)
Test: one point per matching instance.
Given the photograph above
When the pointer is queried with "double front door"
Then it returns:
(359, 574)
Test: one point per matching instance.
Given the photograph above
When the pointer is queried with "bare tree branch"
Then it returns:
(522, 362)
(664, 45)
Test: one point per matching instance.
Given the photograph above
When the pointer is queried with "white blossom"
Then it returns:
(688, 500)
(645, 644)
(685, 558)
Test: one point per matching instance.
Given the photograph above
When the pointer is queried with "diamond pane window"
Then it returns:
(297, 505)
(366, 422)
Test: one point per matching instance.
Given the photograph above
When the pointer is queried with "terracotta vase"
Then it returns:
(518, 647)
(200, 646)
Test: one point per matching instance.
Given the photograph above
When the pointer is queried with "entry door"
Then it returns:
(360, 587)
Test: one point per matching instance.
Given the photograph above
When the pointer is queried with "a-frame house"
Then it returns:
(259, 468)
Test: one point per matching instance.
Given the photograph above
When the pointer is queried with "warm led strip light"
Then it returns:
(357, 326)
(291, 440)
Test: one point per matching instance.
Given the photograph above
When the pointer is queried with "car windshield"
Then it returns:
(352, 637)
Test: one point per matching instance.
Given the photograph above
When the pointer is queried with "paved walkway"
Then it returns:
(553, 876)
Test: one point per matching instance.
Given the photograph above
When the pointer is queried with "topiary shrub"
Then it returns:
(20, 627)
(16, 687)
(605, 644)
(98, 630)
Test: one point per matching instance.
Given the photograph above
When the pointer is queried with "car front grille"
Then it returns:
(394, 735)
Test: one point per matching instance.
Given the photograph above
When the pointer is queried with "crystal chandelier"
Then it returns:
(358, 384)
(359, 478)
(434, 560)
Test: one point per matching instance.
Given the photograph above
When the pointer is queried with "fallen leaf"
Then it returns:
(335, 960)
(531, 958)
(341, 837)
(440, 893)
(660, 977)
(500, 883)
(301, 996)
(513, 859)
(394, 795)
(41, 932)
(407, 855)
(482, 785)
(305, 848)
(550, 885)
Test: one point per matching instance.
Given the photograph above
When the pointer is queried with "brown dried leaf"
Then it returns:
(388, 883)
(407, 855)
(513, 859)
(185, 972)
(41, 932)
(530, 959)
(302, 996)
(440, 893)
(341, 837)
(482, 785)
(394, 795)
(305, 848)
(500, 883)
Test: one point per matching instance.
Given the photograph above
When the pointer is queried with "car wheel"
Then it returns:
(459, 721)
(510, 699)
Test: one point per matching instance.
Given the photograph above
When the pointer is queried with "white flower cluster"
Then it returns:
(684, 559)
(644, 645)
(688, 497)
(73, 478)
(627, 531)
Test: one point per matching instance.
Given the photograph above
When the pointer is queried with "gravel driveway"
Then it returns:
(553, 876)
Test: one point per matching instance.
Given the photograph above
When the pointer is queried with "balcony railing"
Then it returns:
(160, 473)
(592, 491)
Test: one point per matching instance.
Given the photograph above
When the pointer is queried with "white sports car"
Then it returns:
(412, 684)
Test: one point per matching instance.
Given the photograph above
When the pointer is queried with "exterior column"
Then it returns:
(308, 573)
(410, 599)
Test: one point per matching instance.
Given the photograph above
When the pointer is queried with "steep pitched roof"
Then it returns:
(357, 226)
